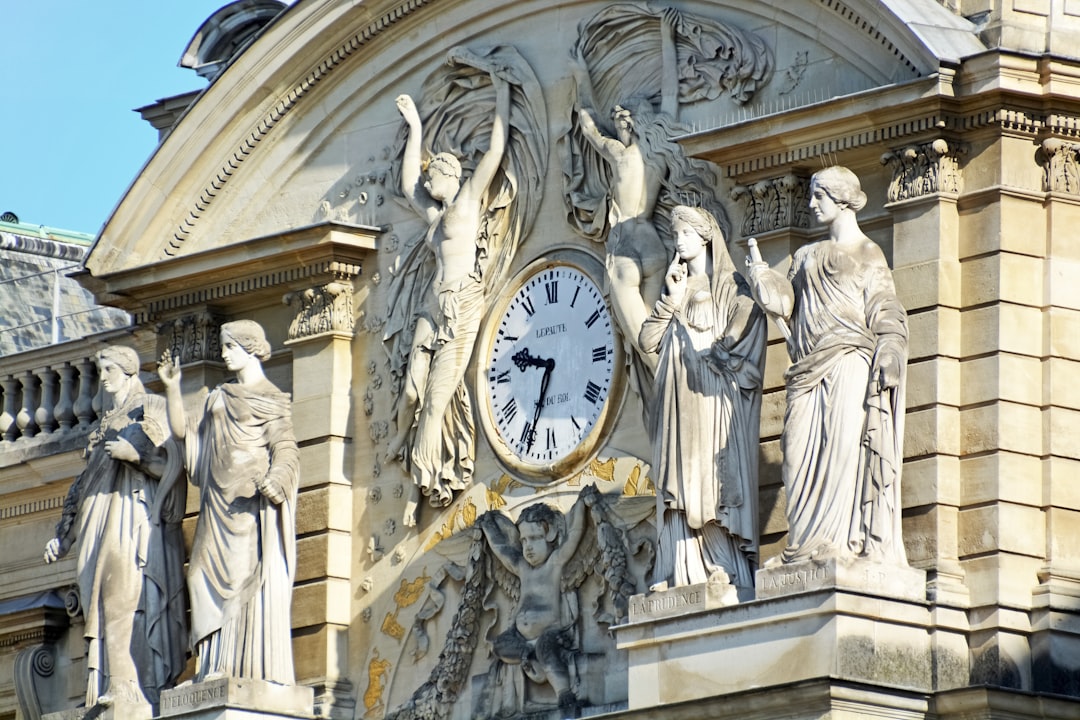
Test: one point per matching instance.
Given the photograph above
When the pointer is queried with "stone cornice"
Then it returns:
(875, 121)
(867, 26)
(286, 104)
(43, 621)
(802, 135)
(1000, 93)
(266, 266)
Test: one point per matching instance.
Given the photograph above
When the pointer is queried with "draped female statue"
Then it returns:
(844, 424)
(124, 510)
(709, 337)
(242, 455)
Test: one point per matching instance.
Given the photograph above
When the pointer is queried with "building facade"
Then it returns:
(278, 195)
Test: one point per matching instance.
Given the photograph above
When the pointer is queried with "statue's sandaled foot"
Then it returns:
(412, 507)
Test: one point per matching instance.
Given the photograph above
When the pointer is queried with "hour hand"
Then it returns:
(524, 359)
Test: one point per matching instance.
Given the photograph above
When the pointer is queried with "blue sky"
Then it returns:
(71, 74)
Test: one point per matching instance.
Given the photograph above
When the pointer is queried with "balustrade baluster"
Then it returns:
(84, 405)
(65, 404)
(12, 392)
(44, 415)
(26, 421)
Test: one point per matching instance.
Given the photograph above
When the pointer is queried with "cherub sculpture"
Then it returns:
(540, 563)
(535, 551)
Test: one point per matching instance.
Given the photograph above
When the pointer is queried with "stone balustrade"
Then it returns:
(46, 396)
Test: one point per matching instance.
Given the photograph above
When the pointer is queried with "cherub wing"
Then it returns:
(586, 556)
(604, 549)
(503, 538)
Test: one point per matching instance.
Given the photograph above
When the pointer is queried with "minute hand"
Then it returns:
(549, 365)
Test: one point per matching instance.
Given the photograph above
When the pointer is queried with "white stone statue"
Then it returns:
(536, 550)
(474, 221)
(844, 423)
(242, 455)
(553, 584)
(709, 337)
(124, 510)
(626, 58)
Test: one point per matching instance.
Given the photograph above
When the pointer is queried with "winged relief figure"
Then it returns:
(536, 566)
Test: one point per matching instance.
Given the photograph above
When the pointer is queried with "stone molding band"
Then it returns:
(290, 100)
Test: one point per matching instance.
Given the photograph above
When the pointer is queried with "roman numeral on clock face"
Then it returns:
(509, 410)
(551, 289)
(592, 392)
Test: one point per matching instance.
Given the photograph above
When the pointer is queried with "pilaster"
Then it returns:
(320, 338)
(926, 269)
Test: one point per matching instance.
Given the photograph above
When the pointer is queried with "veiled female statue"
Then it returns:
(242, 455)
(124, 510)
(843, 427)
(710, 340)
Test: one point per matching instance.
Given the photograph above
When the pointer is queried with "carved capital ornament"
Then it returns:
(923, 169)
(321, 309)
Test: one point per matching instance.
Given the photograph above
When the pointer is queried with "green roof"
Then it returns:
(47, 233)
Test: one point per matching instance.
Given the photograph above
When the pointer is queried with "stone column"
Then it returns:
(926, 269)
(320, 338)
(1002, 521)
(1055, 650)
(776, 212)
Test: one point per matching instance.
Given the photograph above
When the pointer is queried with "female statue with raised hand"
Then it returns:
(125, 510)
(843, 427)
(242, 455)
(710, 340)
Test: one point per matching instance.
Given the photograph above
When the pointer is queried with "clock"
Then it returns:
(552, 368)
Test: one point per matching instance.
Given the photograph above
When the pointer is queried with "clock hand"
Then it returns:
(523, 359)
(548, 366)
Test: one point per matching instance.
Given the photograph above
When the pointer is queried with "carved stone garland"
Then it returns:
(923, 169)
(321, 309)
(1061, 166)
(773, 204)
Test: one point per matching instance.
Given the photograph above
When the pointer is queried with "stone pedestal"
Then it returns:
(237, 699)
(116, 711)
(837, 622)
(900, 583)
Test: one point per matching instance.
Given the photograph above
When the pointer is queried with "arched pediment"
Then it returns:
(299, 126)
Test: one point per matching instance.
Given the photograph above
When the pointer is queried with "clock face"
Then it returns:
(551, 365)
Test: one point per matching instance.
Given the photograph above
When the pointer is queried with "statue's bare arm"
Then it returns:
(478, 184)
(412, 163)
(575, 526)
(169, 372)
(501, 537)
(610, 148)
(669, 68)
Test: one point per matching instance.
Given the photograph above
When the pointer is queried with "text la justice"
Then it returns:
(551, 330)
